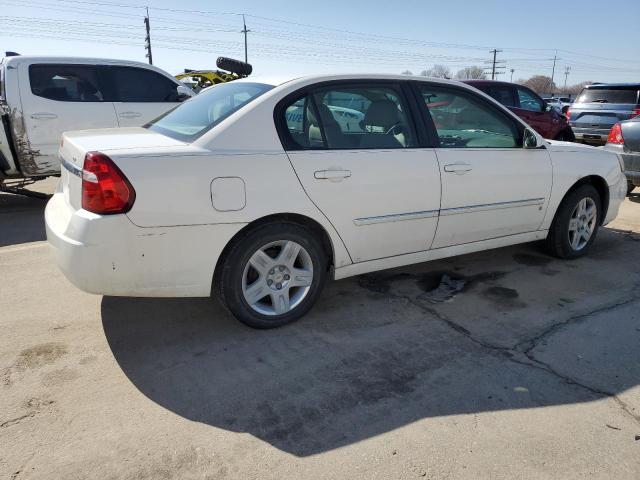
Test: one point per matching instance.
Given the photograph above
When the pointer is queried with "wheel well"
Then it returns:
(600, 184)
(298, 219)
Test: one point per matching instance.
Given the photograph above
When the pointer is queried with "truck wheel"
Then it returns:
(576, 223)
(273, 275)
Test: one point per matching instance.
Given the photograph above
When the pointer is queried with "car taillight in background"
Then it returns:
(105, 189)
(615, 135)
(568, 114)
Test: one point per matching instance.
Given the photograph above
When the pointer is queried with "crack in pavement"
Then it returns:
(524, 356)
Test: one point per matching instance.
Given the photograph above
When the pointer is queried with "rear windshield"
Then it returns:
(201, 113)
(609, 95)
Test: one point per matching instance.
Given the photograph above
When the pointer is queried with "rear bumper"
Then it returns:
(595, 136)
(109, 255)
(617, 194)
(631, 162)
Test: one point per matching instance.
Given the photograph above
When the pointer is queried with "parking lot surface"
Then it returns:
(501, 364)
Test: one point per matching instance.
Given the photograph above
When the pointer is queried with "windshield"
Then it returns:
(201, 113)
(609, 95)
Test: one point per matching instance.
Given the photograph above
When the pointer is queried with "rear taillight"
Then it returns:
(567, 114)
(615, 135)
(105, 189)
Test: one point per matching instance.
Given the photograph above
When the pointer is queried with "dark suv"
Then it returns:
(600, 106)
(525, 103)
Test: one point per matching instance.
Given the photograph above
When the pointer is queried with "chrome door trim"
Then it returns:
(492, 206)
(395, 218)
(72, 168)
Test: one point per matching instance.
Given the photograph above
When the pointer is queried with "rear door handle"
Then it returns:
(43, 116)
(130, 114)
(331, 174)
(458, 168)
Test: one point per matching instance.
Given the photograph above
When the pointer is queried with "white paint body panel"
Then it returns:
(382, 183)
(173, 220)
(39, 122)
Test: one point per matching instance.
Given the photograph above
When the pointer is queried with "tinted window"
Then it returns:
(303, 125)
(201, 113)
(350, 118)
(504, 95)
(132, 84)
(529, 101)
(67, 83)
(609, 95)
(462, 120)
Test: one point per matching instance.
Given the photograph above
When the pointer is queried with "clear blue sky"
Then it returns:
(326, 36)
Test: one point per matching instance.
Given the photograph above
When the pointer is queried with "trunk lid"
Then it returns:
(111, 141)
(631, 134)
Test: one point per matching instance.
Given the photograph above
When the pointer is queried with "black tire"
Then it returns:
(231, 275)
(558, 238)
(566, 135)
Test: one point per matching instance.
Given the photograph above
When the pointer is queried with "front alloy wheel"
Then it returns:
(582, 223)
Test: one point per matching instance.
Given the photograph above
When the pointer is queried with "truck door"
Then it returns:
(57, 98)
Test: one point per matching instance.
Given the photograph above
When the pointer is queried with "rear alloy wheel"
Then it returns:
(273, 275)
(576, 223)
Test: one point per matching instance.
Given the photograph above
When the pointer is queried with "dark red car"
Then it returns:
(525, 103)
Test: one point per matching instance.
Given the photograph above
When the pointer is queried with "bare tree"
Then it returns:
(541, 84)
(577, 88)
(407, 72)
(437, 71)
(469, 73)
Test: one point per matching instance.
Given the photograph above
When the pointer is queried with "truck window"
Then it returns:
(131, 84)
(66, 83)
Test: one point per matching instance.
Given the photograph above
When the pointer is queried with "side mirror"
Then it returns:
(184, 93)
(529, 139)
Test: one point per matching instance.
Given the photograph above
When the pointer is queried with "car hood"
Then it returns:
(558, 146)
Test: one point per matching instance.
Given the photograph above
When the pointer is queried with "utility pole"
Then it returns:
(245, 31)
(567, 70)
(553, 70)
(495, 64)
(512, 70)
(147, 39)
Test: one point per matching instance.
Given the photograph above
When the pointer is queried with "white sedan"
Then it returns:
(256, 191)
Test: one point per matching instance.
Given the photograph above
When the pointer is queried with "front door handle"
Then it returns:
(458, 168)
(331, 174)
(130, 114)
(43, 116)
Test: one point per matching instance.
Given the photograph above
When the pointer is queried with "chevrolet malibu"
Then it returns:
(258, 191)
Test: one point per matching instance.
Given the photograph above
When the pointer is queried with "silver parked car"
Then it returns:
(624, 139)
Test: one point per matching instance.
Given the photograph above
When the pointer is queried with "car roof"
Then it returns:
(15, 60)
(278, 80)
(614, 85)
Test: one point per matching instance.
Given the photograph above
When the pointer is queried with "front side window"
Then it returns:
(463, 121)
(201, 113)
(66, 83)
(349, 118)
(528, 101)
(131, 84)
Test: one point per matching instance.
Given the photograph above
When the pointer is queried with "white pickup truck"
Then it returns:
(41, 97)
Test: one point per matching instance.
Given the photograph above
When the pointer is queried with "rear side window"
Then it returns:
(463, 121)
(66, 83)
(609, 95)
(503, 95)
(345, 117)
(131, 84)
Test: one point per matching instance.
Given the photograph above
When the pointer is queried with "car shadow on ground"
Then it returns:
(21, 219)
(634, 196)
(368, 359)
